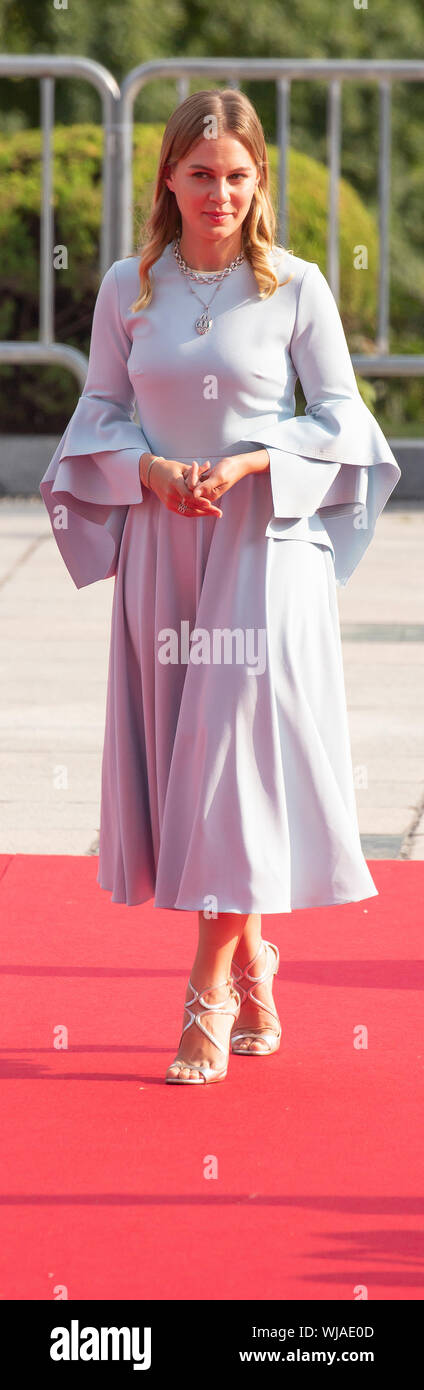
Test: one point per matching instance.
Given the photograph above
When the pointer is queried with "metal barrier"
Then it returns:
(118, 121)
(47, 68)
(283, 71)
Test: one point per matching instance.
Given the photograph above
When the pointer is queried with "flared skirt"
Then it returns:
(227, 781)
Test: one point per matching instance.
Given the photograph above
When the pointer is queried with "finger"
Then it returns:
(202, 468)
(194, 514)
(203, 506)
(198, 505)
(202, 489)
(200, 510)
(191, 477)
(185, 494)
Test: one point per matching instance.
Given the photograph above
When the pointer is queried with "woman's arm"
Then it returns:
(256, 462)
(94, 473)
(321, 458)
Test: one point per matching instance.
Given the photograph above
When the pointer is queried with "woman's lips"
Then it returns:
(217, 216)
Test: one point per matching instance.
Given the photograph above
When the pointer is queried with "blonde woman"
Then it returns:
(227, 785)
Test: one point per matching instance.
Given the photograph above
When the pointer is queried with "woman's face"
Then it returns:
(216, 176)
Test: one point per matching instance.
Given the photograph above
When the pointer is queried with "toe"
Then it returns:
(252, 1045)
(182, 1069)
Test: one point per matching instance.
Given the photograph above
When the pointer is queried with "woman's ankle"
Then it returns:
(247, 951)
(210, 983)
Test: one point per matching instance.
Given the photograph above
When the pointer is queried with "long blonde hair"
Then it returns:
(234, 115)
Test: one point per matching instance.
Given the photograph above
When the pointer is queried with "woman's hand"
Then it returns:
(173, 483)
(221, 477)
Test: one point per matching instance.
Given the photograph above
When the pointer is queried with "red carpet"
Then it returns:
(318, 1150)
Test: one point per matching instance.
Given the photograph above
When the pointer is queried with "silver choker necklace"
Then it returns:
(204, 323)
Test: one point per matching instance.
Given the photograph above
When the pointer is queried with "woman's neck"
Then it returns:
(206, 258)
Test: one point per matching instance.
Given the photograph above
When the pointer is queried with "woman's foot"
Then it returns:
(251, 1016)
(195, 1048)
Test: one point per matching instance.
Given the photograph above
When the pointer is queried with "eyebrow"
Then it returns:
(240, 170)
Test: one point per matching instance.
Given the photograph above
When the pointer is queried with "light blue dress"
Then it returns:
(227, 780)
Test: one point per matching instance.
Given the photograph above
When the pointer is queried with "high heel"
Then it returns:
(270, 1036)
(209, 1073)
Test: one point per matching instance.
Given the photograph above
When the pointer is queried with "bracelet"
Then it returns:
(152, 461)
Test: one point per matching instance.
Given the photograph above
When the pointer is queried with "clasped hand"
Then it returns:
(198, 485)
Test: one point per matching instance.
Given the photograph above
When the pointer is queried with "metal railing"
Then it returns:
(283, 71)
(47, 68)
(118, 125)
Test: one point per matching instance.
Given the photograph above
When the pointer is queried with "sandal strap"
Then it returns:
(257, 979)
(210, 1008)
(264, 1035)
(245, 972)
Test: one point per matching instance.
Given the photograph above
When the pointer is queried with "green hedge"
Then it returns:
(41, 399)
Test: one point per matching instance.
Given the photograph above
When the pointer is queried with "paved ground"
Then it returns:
(54, 652)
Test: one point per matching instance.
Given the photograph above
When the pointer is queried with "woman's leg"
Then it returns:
(251, 1015)
(249, 941)
(218, 939)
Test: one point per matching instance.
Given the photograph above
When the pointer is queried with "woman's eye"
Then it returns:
(201, 174)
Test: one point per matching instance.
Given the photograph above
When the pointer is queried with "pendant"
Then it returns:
(204, 323)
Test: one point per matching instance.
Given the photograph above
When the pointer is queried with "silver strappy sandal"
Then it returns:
(270, 1036)
(209, 1073)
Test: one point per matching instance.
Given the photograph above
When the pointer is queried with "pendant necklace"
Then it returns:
(204, 323)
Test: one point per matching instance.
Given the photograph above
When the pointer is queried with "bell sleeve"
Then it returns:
(334, 459)
(93, 475)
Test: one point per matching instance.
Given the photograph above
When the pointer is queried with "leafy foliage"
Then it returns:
(77, 154)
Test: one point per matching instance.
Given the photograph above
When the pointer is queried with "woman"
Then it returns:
(227, 783)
